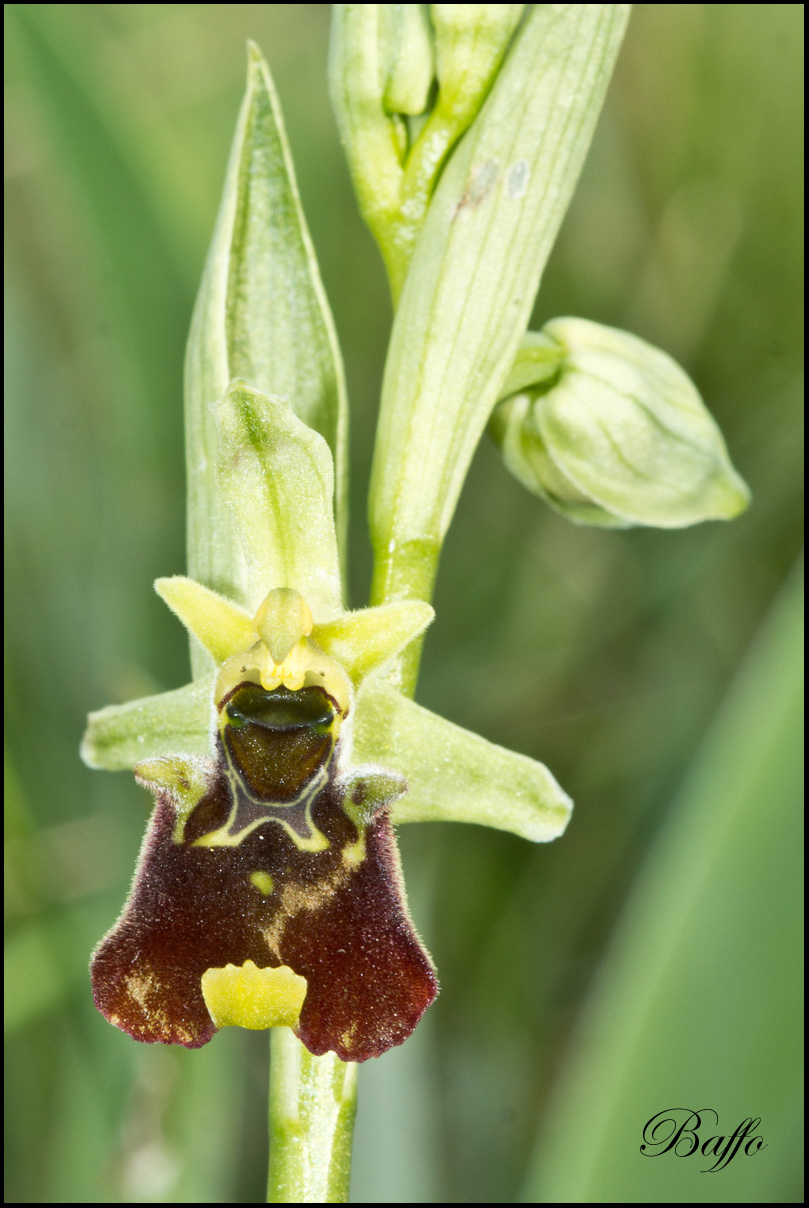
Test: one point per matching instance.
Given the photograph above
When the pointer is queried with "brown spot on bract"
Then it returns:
(480, 184)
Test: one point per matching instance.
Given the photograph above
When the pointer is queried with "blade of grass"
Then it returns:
(698, 1004)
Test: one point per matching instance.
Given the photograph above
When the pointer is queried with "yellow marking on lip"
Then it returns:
(140, 987)
(262, 882)
(244, 996)
(222, 837)
(298, 898)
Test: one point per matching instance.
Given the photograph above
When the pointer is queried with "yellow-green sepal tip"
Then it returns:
(221, 626)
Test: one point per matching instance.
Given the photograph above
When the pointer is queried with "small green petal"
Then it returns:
(365, 640)
(220, 625)
(453, 775)
(278, 479)
(120, 736)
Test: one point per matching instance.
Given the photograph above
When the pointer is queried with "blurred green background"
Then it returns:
(647, 960)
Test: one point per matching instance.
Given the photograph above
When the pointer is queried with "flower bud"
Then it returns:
(470, 42)
(383, 64)
(407, 58)
(619, 435)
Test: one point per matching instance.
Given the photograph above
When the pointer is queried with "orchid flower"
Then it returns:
(269, 892)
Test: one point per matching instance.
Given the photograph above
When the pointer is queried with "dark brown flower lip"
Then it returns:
(337, 917)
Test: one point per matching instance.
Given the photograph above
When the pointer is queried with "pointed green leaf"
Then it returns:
(261, 314)
(277, 478)
(452, 774)
(176, 722)
(476, 269)
(365, 640)
(699, 999)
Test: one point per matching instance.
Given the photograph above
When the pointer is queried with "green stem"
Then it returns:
(405, 571)
(313, 1101)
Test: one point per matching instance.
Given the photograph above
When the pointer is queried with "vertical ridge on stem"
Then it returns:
(313, 1101)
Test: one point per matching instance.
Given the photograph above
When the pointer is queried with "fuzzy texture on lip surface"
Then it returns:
(336, 916)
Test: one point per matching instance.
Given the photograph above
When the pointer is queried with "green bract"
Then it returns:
(611, 432)
(383, 58)
(262, 315)
(473, 276)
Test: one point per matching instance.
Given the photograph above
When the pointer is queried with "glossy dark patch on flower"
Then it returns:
(336, 916)
(277, 741)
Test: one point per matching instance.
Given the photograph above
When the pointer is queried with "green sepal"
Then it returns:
(277, 477)
(364, 641)
(476, 268)
(538, 359)
(261, 314)
(619, 436)
(452, 774)
(170, 723)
